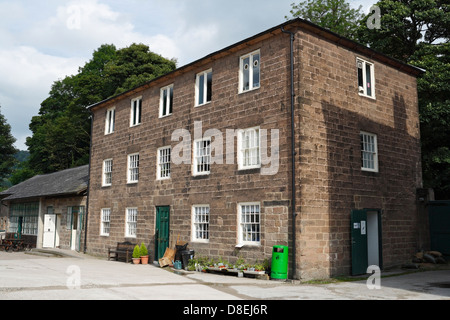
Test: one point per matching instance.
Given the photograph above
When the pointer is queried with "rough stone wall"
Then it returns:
(331, 116)
(225, 187)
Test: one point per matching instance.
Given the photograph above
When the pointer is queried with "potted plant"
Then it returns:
(136, 255)
(143, 253)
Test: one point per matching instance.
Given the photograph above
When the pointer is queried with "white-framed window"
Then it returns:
(166, 101)
(107, 173)
(202, 157)
(366, 78)
(203, 88)
(105, 222)
(200, 223)
(136, 112)
(249, 155)
(133, 168)
(249, 71)
(369, 152)
(164, 159)
(249, 218)
(131, 222)
(110, 120)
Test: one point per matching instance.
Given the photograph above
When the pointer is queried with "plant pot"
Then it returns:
(144, 259)
(136, 260)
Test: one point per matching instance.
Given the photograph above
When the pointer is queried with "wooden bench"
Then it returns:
(122, 252)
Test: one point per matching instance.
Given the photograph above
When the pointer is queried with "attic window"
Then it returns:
(366, 78)
(110, 120)
(249, 76)
(203, 88)
(136, 111)
(166, 101)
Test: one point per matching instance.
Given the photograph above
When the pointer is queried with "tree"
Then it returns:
(7, 149)
(405, 24)
(434, 104)
(418, 32)
(335, 15)
(61, 132)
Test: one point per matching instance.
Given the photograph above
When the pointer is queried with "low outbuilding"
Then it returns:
(48, 209)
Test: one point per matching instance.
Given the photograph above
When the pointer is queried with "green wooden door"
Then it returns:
(439, 215)
(162, 230)
(359, 242)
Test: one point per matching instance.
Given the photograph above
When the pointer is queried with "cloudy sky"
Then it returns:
(44, 41)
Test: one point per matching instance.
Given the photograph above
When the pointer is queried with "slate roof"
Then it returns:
(67, 182)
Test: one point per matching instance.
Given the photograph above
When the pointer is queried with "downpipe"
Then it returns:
(293, 177)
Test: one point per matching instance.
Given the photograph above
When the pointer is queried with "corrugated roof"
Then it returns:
(67, 182)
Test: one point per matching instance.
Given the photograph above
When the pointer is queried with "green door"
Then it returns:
(162, 231)
(359, 242)
(439, 217)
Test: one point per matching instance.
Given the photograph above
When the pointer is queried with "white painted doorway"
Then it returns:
(74, 235)
(49, 231)
(75, 226)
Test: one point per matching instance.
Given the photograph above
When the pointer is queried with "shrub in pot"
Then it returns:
(136, 255)
(143, 253)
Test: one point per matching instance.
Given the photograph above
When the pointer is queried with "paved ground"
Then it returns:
(81, 277)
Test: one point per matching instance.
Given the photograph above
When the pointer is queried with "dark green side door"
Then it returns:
(439, 215)
(162, 231)
(359, 242)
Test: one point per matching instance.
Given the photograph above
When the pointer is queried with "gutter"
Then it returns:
(293, 205)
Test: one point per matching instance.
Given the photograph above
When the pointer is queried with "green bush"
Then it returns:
(143, 250)
(136, 252)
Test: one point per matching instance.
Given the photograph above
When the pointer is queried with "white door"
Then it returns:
(75, 237)
(49, 231)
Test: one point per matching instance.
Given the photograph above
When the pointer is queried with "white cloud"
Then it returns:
(56, 46)
(80, 27)
(27, 76)
(43, 41)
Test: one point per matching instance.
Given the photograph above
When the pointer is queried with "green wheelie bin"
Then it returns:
(279, 269)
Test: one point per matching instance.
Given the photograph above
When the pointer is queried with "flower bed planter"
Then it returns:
(254, 272)
(239, 268)
(236, 272)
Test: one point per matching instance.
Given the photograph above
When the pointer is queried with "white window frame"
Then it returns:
(168, 100)
(164, 163)
(369, 151)
(105, 222)
(107, 172)
(362, 65)
(248, 152)
(132, 166)
(131, 222)
(205, 75)
(110, 120)
(201, 223)
(242, 66)
(136, 112)
(243, 223)
(198, 156)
